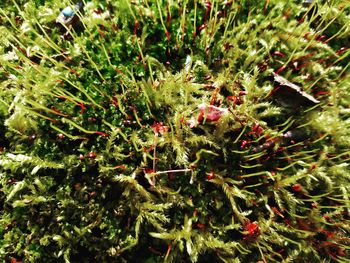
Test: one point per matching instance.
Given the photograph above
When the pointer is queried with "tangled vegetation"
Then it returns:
(174, 131)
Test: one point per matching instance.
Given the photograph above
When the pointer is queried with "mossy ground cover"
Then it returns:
(174, 131)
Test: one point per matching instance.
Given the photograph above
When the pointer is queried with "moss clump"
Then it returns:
(151, 131)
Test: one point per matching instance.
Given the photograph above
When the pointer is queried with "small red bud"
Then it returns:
(341, 50)
(32, 137)
(210, 175)
(227, 3)
(195, 212)
(81, 157)
(236, 100)
(280, 69)
(60, 136)
(278, 54)
(207, 4)
(98, 11)
(159, 128)
(193, 166)
(92, 194)
(200, 225)
(101, 133)
(243, 144)
(320, 38)
(149, 171)
(297, 187)
(256, 127)
(227, 46)
(15, 260)
(313, 166)
(202, 27)
(306, 36)
(327, 218)
(252, 229)
(91, 155)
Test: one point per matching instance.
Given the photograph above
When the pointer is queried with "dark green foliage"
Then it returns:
(151, 131)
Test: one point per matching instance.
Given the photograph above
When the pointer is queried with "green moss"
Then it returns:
(151, 131)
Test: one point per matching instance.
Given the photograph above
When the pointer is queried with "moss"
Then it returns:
(156, 131)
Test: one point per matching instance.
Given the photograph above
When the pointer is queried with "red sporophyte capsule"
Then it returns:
(236, 100)
(195, 212)
(81, 157)
(149, 171)
(207, 4)
(276, 211)
(232, 98)
(280, 69)
(32, 137)
(297, 187)
(91, 155)
(327, 218)
(227, 3)
(306, 36)
(159, 128)
(341, 50)
(60, 136)
(92, 194)
(127, 122)
(263, 66)
(278, 54)
(244, 144)
(243, 93)
(251, 228)
(257, 129)
(15, 260)
(210, 175)
(228, 46)
(320, 38)
(101, 133)
(202, 27)
(200, 225)
(193, 166)
(98, 11)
